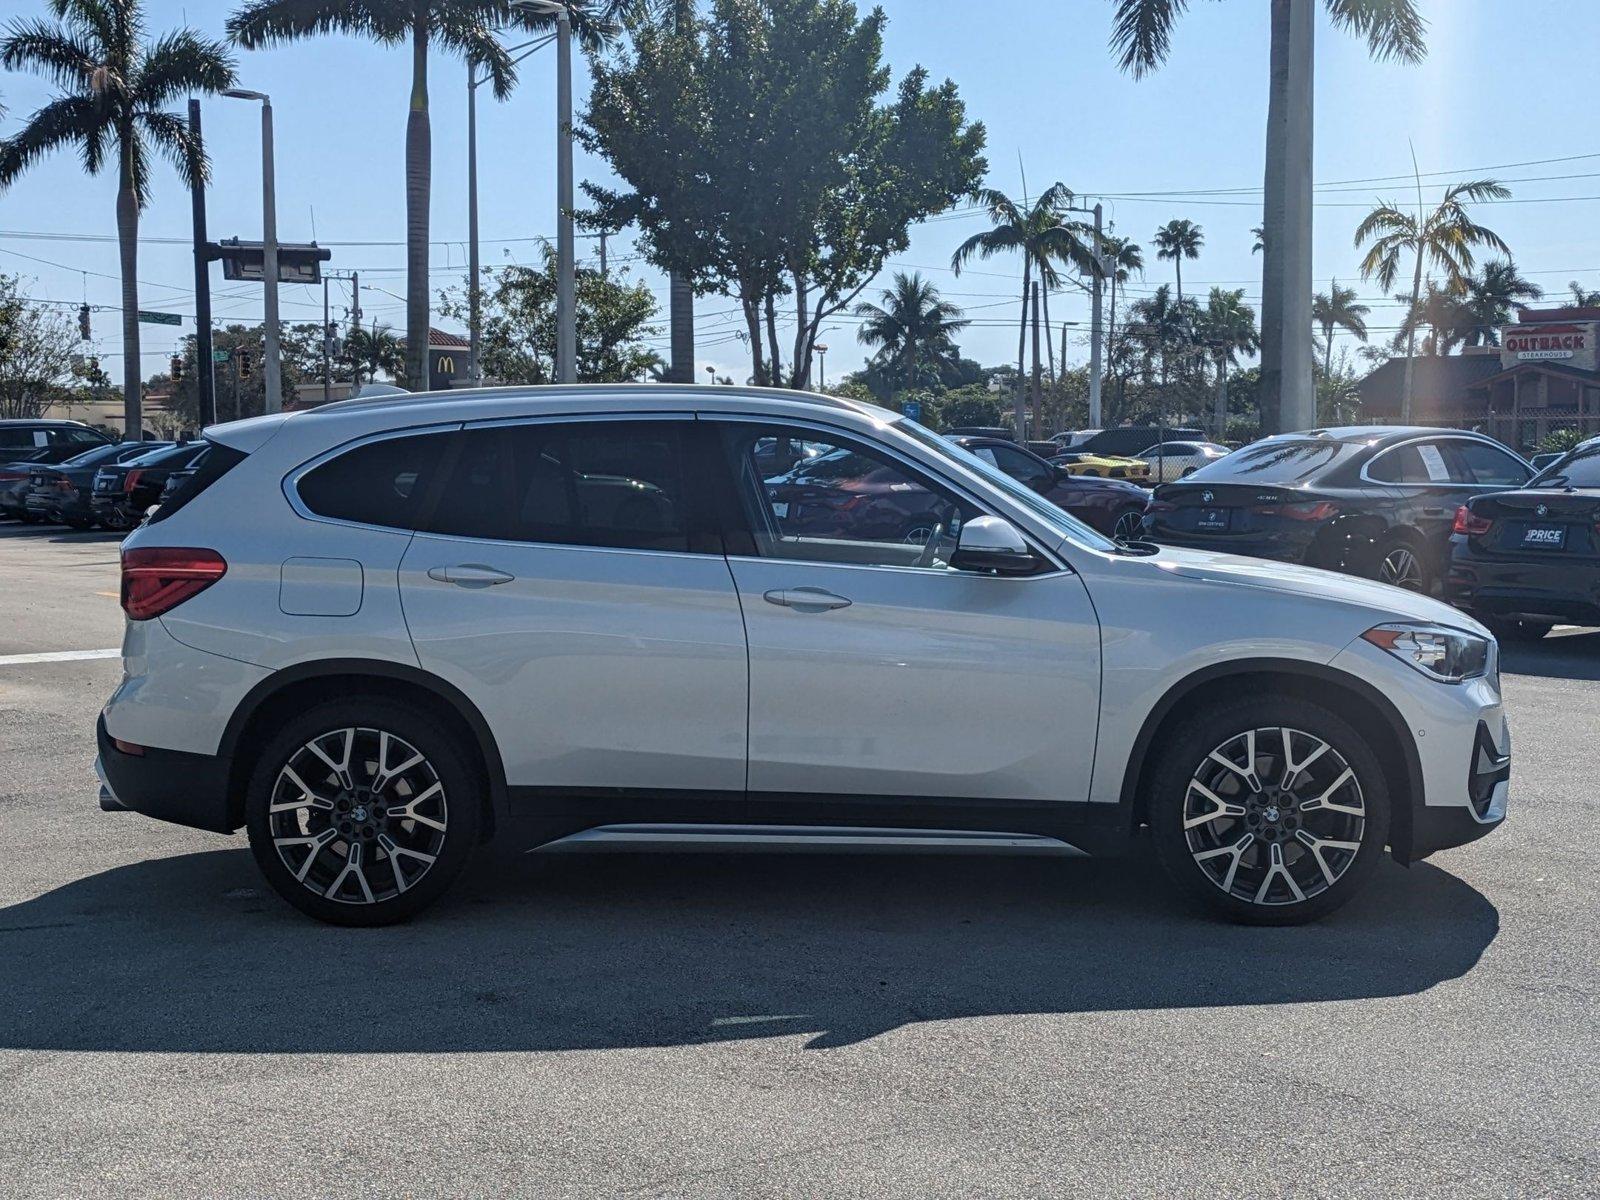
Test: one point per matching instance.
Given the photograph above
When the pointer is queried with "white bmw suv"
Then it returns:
(380, 633)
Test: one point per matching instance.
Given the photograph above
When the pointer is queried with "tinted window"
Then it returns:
(70, 436)
(170, 456)
(1284, 459)
(110, 452)
(1580, 469)
(616, 484)
(379, 483)
(850, 504)
(1488, 464)
(1020, 466)
(1417, 462)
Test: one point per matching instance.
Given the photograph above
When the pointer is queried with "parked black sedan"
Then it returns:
(26, 442)
(1378, 501)
(1523, 561)
(1112, 506)
(124, 491)
(61, 492)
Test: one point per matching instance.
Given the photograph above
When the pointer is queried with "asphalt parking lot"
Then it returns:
(694, 1025)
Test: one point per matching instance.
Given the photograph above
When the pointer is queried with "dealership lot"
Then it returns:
(712, 1025)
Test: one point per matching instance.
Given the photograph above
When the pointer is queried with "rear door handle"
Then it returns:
(469, 575)
(806, 599)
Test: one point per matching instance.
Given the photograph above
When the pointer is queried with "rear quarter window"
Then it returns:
(376, 483)
(1290, 459)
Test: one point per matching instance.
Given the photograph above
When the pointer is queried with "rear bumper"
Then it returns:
(1277, 548)
(1563, 591)
(114, 512)
(169, 785)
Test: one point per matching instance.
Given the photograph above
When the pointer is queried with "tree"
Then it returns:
(757, 159)
(1443, 237)
(1488, 298)
(1124, 256)
(1141, 39)
(1227, 328)
(463, 27)
(37, 345)
(913, 331)
(519, 328)
(1175, 241)
(1340, 308)
(1582, 297)
(1046, 238)
(114, 88)
(299, 345)
(368, 353)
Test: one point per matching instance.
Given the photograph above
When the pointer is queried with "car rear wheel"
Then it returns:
(1129, 525)
(1271, 810)
(362, 811)
(1402, 564)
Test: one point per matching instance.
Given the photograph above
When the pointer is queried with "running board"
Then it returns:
(803, 839)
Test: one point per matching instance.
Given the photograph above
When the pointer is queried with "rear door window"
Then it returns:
(377, 483)
(1486, 464)
(621, 485)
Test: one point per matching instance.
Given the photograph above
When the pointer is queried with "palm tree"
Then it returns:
(1258, 234)
(464, 27)
(1160, 325)
(1341, 309)
(1124, 256)
(1175, 241)
(374, 351)
(1045, 237)
(1438, 310)
(1443, 237)
(114, 87)
(913, 329)
(1582, 297)
(1488, 299)
(1142, 38)
(1227, 327)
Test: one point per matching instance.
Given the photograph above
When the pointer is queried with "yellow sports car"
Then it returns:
(1103, 466)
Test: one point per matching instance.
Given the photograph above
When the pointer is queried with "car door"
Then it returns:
(1430, 481)
(566, 581)
(878, 673)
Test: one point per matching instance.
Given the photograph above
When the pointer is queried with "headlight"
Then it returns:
(1448, 655)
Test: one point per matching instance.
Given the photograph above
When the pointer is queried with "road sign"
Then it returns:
(219, 356)
(297, 263)
(912, 410)
(155, 318)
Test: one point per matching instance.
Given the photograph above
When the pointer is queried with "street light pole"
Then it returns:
(822, 366)
(1094, 324)
(473, 298)
(271, 377)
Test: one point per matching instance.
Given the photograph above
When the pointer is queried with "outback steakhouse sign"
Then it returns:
(1570, 343)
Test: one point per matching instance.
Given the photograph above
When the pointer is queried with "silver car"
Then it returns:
(379, 633)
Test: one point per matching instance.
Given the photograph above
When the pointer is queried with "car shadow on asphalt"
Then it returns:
(194, 953)
(1561, 655)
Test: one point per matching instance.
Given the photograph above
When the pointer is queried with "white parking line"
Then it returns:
(17, 660)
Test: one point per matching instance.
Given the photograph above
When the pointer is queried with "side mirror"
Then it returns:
(992, 544)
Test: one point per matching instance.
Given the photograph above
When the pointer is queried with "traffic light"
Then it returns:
(177, 367)
(83, 321)
(244, 363)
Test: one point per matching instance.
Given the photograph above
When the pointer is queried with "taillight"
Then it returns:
(1470, 523)
(158, 579)
(131, 479)
(1311, 510)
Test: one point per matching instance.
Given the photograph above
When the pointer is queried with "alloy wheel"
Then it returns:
(1128, 527)
(358, 816)
(1401, 568)
(1274, 816)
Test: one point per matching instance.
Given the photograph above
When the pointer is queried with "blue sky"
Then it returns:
(1505, 83)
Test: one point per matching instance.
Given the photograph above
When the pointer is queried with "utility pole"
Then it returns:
(1094, 324)
(1298, 397)
(355, 327)
(327, 346)
(474, 300)
(271, 380)
(566, 256)
(205, 379)
(1037, 399)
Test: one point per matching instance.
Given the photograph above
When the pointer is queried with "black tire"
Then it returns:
(459, 807)
(1403, 562)
(1275, 845)
(78, 523)
(30, 518)
(1127, 516)
(1514, 629)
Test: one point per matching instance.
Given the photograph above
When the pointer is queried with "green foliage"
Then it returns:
(300, 356)
(973, 404)
(519, 325)
(914, 332)
(36, 352)
(757, 158)
(1559, 441)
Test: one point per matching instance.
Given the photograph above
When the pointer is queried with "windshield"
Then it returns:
(1291, 457)
(1056, 518)
(1579, 469)
(90, 457)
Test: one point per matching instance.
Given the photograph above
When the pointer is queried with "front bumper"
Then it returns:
(1566, 591)
(169, 785)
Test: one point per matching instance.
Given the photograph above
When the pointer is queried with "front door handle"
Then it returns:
(806, 599)
(469, 575)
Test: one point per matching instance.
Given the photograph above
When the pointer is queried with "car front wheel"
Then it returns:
(1271, 810)
(362, 811)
